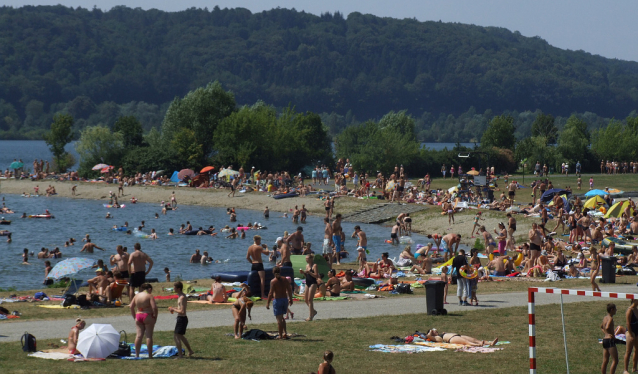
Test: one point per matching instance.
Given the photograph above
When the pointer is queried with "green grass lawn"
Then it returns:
(349, 340)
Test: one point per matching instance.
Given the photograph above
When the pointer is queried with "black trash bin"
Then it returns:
(434, 291)
(609, 269)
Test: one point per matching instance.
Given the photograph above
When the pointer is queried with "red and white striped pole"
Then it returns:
(558, 291)
(532, 329)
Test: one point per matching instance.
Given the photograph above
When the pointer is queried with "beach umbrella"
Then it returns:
(106, 169)
(159, 172)
(99, 167)
(228, 172)
(16, 165)
(596, 193)
(70, 266)
(473, 172)
(549, 194)
(617, 209)
(595, 202)
(98, 341)
(185, 173)
(207, 169)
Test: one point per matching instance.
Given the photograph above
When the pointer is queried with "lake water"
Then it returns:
(75, 218)
(28, 150)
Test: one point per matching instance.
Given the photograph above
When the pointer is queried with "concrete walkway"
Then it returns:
(12, 331)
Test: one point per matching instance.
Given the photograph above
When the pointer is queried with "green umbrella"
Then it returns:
(16, 165)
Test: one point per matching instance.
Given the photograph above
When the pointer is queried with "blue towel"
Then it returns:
(158, 351)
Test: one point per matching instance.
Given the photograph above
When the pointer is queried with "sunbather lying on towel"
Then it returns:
(454, 338)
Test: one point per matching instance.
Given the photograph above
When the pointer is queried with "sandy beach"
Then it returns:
(184, 195)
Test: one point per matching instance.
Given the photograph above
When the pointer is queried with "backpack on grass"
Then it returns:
(28, 343)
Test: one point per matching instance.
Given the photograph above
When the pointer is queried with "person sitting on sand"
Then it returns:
(74, 334)
(333, 286)
(217, 292)
(454, 338)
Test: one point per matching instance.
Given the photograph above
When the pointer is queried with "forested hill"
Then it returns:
(96, 64)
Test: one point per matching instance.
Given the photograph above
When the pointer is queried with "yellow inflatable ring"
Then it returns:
(473, 275)
(518, 259)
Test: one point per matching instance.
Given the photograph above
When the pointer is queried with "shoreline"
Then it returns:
(184, 195)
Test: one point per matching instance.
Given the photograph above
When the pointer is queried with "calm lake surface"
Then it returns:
(75, 218)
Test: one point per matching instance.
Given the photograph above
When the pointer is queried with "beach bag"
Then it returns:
(28, 342)
(123, 349)
(69, 300)
(403, 288)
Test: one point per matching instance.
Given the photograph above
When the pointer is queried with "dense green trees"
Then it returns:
(499, 133)
(57, 138)
(452, 78)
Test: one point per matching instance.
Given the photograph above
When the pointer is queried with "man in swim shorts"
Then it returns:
(362, 239)
(336, 237)
(120, 261)
(284, 250)
(253, 256)
(137, 269)
(327, 241)
(535, 242)
(281, 296)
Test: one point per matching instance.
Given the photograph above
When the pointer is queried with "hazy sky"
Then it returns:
(606, 28)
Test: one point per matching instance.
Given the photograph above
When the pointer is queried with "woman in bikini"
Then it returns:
(631, 316)
(144, 312)
(311, 273)
(453, 338)
(74, 335)
(333, 286)
(594, 268)
(242, 305)
(217, 292)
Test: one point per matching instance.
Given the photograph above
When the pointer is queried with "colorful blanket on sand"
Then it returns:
(408, 348)
(453, 346)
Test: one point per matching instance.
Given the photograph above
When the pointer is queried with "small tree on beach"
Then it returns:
(58, 137)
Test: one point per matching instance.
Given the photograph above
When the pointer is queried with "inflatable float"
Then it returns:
(517, 260)
(622, 246)
(121, 228)
(362, 282)
(232, 276)
(285, 195)
(3, 222)
(40, 216)
(113, 206)
(5, 233)
(254, 281)
(194, 232)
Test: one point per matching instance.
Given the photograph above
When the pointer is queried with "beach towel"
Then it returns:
(351, 292)
(50, 355)
(439, 345)
(59, 306)
(207, 302)
(407, 348)
(158, 351)
(478, 349)
(10, 316)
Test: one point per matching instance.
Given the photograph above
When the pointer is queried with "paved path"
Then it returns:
(12, 331)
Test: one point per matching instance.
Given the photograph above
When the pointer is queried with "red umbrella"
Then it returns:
(185, 173)
(207, 169)
(106, 169)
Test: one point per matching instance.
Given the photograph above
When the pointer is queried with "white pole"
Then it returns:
(562, 316)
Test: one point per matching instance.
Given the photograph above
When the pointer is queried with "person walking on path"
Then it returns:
(463, 284)
(281, 296)
(312, 274)
(182, 321)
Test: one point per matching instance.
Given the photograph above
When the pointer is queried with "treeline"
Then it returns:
(452, 78)
(380, 146)
(206, 127)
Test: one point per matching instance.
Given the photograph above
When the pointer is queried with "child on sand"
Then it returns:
(476, 222)
(609, 340)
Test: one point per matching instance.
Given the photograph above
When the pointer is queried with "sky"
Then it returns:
(605, 28)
